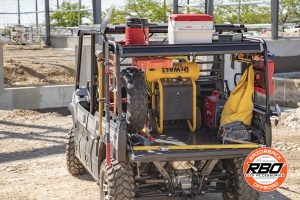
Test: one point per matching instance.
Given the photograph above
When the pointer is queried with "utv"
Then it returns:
(146, 121)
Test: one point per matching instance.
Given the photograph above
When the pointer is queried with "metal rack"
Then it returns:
(114, 53)
(120, 52)
(190, 49)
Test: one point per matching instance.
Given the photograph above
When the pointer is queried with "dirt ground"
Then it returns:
(32, 161)
(33, 66)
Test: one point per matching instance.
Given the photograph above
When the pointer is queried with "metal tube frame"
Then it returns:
(93, 74)
(78, 61)
(252, 45)
(111, 46)
(118, 77)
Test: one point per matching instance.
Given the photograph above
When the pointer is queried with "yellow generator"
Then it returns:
(172, 88)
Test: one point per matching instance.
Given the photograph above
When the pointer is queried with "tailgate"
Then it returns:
(190, 152)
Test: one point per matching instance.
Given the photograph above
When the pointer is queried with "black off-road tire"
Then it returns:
(74, 166)
(116, 181)
(137, 101)
(241, 189)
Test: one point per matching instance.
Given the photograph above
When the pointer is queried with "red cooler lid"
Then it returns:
(191, 17)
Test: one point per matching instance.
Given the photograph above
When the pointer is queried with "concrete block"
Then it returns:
(287, 64)
(6, 102)
(59, 42)
(27, 97)
(291, 47)
(292, 92)
(36, 97)
(286, 93)
(67, 41)
(279, 93)
(66, 93)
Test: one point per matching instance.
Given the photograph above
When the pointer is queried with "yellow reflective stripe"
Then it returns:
(192, 147)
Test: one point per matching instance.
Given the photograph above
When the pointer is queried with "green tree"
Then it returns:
(289, 10)
(154, 10)
(249, 14)
(68, 18)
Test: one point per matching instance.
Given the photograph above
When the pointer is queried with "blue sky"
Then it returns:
(29, 5)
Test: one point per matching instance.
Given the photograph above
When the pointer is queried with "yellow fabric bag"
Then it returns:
(239, 106)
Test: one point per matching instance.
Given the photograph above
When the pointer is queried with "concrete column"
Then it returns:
(36, 14)
(19, 13)
(97, 12)
(97, 19)
(210, 7)
(1, 69)
(79, 17)
(175, 6)
(274, 19)
(47, 20)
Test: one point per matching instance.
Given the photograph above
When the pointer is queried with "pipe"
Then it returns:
(100, 90)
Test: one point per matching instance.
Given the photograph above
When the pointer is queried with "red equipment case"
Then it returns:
(212, 108)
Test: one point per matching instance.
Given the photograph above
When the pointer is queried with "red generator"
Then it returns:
(212, 109)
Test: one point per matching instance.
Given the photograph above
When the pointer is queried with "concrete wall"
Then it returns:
(287, 54)
(33, 97)
(284, 47)
(68, 41)
(287, 92)
(287, 64)
(36, 97)
(42, 96)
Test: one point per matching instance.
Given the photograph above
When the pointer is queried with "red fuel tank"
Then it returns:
(136, 31)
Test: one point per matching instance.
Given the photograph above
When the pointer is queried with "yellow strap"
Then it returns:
(197, 147)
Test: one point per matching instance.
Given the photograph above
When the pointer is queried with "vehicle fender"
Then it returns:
(121, 143)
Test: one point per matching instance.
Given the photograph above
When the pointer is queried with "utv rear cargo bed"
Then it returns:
(177, 143)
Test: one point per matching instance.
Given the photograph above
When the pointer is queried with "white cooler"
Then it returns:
(190, 28)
